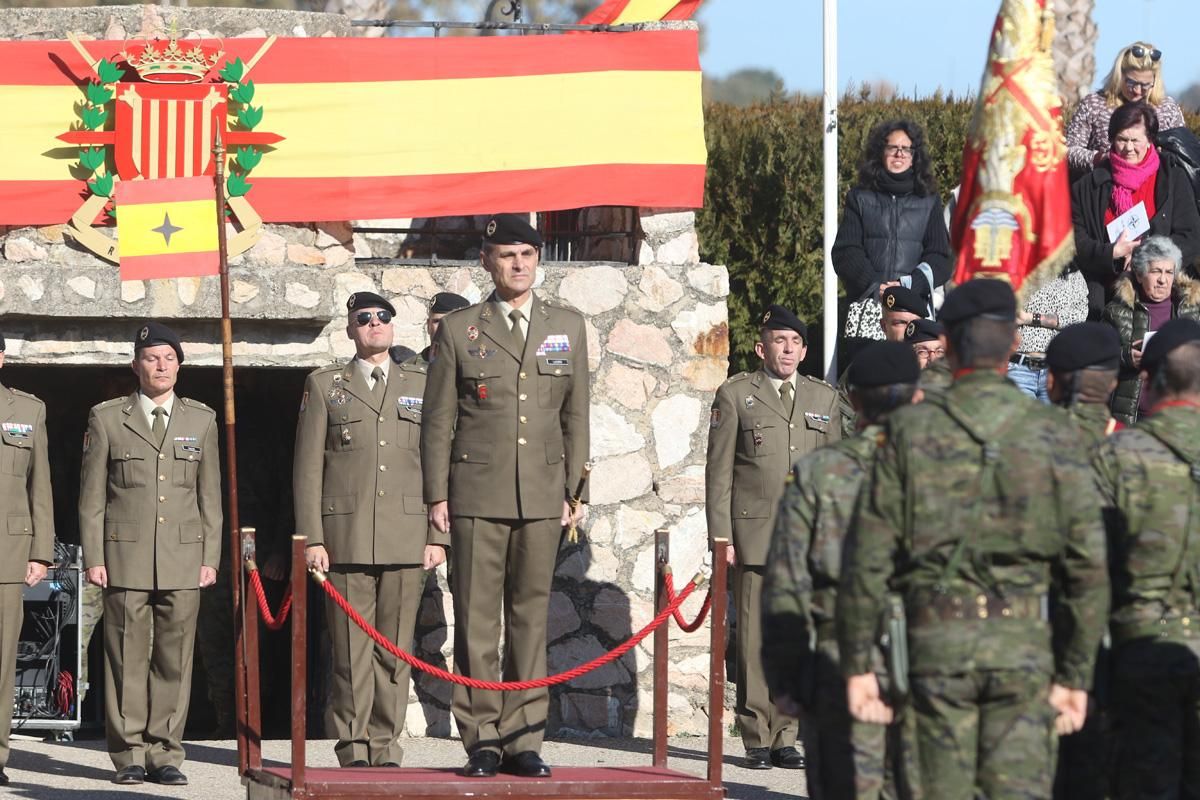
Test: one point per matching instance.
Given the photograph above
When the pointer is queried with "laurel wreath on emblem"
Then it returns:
(94, 113)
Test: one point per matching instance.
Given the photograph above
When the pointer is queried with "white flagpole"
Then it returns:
(830, 123)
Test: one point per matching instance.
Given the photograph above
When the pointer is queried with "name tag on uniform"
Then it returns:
(554, 343)
(21, 430)
(557, 362)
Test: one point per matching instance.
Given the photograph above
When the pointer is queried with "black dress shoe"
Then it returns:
(787, 757)
(3, 778)
(527, 765)
(390, 764)
(358, 762)
(167, 776)
(757, 758)
(127, 776)
(482, 764)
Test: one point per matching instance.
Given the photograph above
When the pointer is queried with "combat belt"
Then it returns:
(943, 607)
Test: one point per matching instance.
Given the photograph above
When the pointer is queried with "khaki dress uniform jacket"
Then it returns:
(151, 515)
(357, 487)
(504, 440)
(752, 444)
(26, 502)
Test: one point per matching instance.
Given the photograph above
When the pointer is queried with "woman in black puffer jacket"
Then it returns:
(892, 230)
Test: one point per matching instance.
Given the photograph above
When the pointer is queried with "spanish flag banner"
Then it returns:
(1013, 218)
(167, 228)
(621, 12)
(344, 129)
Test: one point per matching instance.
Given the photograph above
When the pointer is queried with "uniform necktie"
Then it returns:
(380, 387)
(159, 429)
(785, 396)
(518, 337)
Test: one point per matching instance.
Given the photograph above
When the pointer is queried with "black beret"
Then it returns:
(1084, 345)
(1171, 335)
(883, 364)
(923, 330)
(778, 318)
(511, 229)
(445, 302)
(400, 353)
(360, 300)
(899, 298)
(980, 297)
(154, 333)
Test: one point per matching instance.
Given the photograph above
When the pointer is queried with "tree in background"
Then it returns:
(1075, 48)
(743, 87)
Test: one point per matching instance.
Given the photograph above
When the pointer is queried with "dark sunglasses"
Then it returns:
(364, 317)
(1140, 52)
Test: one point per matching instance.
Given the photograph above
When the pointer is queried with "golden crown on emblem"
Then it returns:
(167, 61)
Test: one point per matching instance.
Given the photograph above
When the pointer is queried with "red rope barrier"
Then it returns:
(503, 686)
(272, 621)
(684, 625)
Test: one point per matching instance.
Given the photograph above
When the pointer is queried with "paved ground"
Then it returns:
(82, 771)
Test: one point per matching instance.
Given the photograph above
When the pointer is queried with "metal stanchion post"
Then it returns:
(662, 557)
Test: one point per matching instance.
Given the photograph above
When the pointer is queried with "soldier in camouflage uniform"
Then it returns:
(901, 306)
(1083, 360)
(1153, 474)
(800, 657)
(928, 341)
(979, 505)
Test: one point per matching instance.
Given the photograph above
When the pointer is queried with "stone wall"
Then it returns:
(658, 347)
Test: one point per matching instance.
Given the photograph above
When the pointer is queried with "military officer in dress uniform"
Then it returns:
(25, 494)
(760, 423)
(357, 486)
(503, 445)
(150, 523)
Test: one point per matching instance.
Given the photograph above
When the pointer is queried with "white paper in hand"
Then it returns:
(1134, 220)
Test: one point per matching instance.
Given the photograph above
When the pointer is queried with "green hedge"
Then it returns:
(762, 215)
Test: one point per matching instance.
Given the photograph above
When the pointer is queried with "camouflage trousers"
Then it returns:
(92, 613)
(988, 734)
(846, 758)
(1156, 720)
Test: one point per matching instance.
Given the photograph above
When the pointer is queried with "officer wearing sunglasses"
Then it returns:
(1136, 77)
(357, 484)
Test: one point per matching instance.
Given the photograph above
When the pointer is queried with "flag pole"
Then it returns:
(830, 135)
(235, 559)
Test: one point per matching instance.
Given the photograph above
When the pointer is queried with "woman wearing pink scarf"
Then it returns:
(1133, 172)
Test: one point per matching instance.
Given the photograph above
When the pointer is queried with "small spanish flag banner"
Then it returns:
(167, 228)
(1013, 218)
(623, 12)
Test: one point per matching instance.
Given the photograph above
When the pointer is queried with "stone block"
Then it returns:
(305, 254)
(563, 618)
(580, 650)
(409, 280)
(657, 290)
(33, 288)
(83, 286)
(188, 290)
(52, 233)
(612, 434)
(618, 479)
(688, 544)
(594, 290)
(20, 248)
(635, 527)
(686, 487)
(644, 344)
(590, 712)
(270, 250)
(675, 419)
(133, 291)
(300, 295)
(707, 373)
(628, 386)
(681, 249)
(659, 224)
(595, 349)
(704, 329)
(709, 279)
(330, 234)
(242, 291)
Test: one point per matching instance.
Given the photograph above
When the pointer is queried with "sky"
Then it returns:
(920, 45)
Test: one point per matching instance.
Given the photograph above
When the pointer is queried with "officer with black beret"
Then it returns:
(150, 522)
(928, 341)
(761, 422)
(1083, 360)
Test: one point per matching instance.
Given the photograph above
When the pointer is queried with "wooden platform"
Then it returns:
(567, 783)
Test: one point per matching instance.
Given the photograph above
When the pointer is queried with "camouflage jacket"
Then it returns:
(804, 560)
(936, 379)
(1092, 420)
(1155, 528)
(1029, 510)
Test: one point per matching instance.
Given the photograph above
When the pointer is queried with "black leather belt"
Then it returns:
(1033, 362)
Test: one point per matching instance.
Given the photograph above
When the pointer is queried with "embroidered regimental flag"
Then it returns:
(1013, 218)
(167, 228)
(621, 12)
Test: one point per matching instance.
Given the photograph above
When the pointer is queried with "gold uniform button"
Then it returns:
(162, 477)
(523, 419)
(191, 458)
(981, 599)
(113, 536)
(464, 456)
(793, 447)
(521, 440)
(381, 492)
(382, 443)
(162, 519)
(522, 376)
(481, 374)
(331, 508)
(345, 417)
(558, 372)
(381, 419)
(161, 456)
(521, 397)
(162, 498)
(383, 467)
(791, 424)
(127, 455)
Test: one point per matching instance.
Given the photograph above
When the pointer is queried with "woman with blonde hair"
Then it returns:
(1136, 77)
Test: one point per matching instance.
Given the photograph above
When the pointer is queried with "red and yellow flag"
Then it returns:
(377, 128)
(167, 228)
(620, 12)
(1013, 218)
